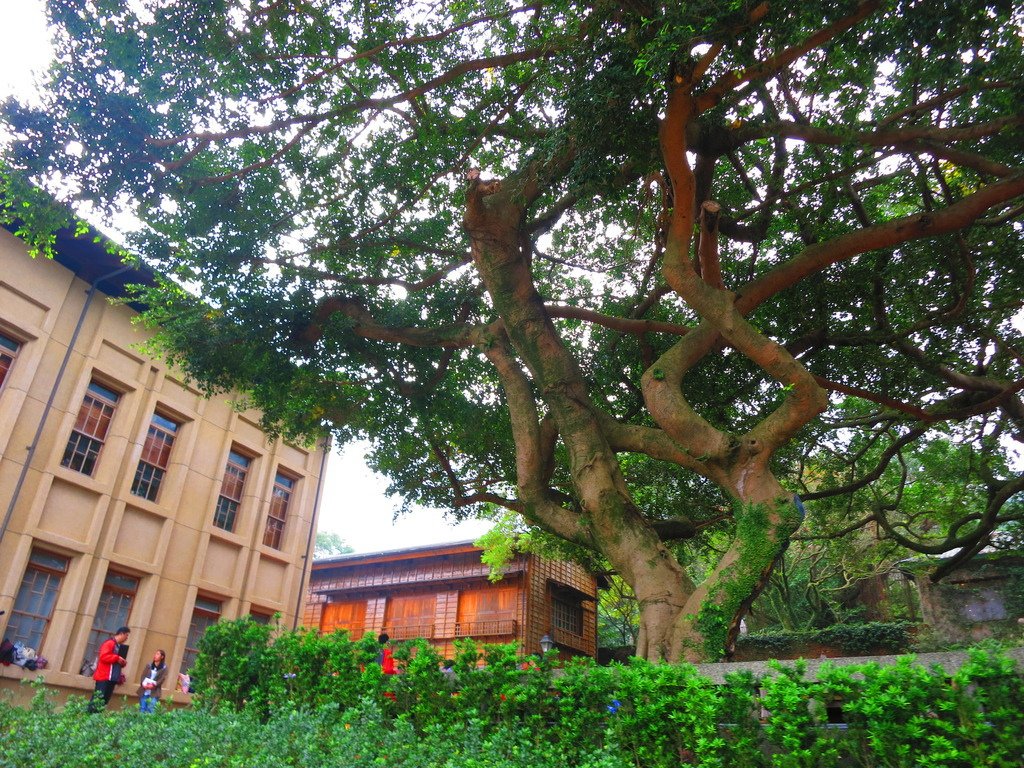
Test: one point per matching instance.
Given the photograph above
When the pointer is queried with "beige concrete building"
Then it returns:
(126, 497)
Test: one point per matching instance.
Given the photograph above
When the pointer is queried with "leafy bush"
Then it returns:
(856, 639)
(852, 639)
(245, 664)
(300, 700)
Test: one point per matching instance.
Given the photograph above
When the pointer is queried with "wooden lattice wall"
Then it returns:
(443, 593)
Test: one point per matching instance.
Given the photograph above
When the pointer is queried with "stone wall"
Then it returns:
(984, 598)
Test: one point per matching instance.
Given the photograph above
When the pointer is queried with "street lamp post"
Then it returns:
(546, 643)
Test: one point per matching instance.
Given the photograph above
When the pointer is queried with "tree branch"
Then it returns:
(886, 235)
(458, 336)
(774, 64)
(623, 324)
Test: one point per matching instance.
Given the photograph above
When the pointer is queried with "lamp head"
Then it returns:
(546, 643)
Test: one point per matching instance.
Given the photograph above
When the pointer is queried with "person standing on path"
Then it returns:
(109, 668)
(152, 685)
(386, 659)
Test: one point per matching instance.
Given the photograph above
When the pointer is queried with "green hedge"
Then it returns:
(301, 700)
(852, 639)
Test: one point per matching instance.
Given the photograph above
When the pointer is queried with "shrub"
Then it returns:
(797, 708)
(852, 639)
(338, 709)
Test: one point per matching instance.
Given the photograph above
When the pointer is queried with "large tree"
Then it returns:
(600, 263)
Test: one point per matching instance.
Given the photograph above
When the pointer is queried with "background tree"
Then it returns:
(601, 264)
(618, 615)
(818, 584)
(329, 543)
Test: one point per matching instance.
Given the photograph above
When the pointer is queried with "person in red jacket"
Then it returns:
(109, 666)
(386, 659)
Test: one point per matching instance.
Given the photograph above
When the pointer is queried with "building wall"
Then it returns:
(452, 579)
(546, 580)
(169, 544)
(983, 598)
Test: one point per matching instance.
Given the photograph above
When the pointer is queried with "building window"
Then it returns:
(112, 611)
(156, 454)
(231, 487)
(409, 616)
(567, 616)
(488, 612)
(8, 351)
(282, 496)
(204, 615)
(349, 616)
(90, 429)
(37, 596)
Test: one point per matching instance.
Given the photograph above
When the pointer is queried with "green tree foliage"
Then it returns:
(330, 543)
(818, 583)
(618, 615)
(621, 268)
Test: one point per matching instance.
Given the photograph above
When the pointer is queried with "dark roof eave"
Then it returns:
(399, 585)
(92, 259)
(455, 547)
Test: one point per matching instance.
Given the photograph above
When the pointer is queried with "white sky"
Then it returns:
(354, 503)
(355, 506)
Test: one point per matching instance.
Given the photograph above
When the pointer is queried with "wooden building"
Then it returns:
(442, 593)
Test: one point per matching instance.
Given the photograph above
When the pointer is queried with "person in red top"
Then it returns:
(386, 660)
(109, 666)
(386, 657)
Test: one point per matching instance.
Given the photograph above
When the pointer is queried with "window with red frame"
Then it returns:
(8, 352)
(273, 534)
(226, 514)
(90, 430)
(205, 614)
(36, 599)
(156, 454)
(112, 611)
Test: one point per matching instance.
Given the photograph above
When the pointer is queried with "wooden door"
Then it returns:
(410, 616)
(344, 615)
(488, 611)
